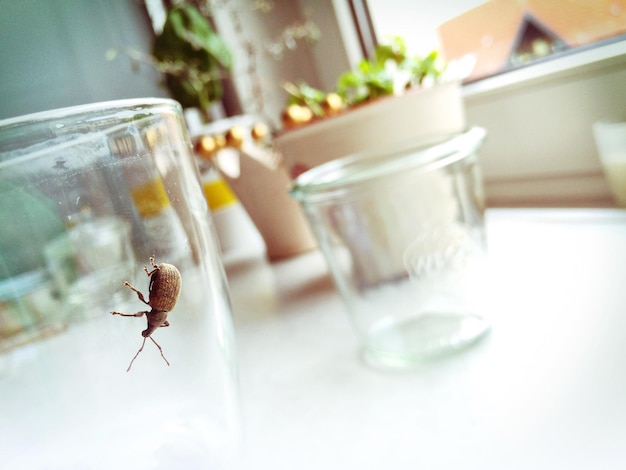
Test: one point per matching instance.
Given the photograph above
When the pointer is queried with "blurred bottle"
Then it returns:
(237, 235)
(153, 214)
(217, 192)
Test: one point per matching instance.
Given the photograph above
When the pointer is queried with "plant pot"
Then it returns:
(263, 192)
(262, 189)
(422, 116)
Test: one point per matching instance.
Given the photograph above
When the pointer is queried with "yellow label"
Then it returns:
(150, 198)
(218, 194)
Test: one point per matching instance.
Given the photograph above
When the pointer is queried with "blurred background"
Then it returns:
(545, 70)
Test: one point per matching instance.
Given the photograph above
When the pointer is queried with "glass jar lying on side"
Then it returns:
(96, 191)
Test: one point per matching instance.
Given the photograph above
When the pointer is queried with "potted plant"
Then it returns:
(389, 99)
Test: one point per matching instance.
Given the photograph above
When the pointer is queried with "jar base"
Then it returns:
(403, 343)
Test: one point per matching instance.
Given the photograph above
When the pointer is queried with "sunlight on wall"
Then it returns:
(415, 20)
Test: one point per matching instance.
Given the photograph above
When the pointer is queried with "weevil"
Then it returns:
(164, 291)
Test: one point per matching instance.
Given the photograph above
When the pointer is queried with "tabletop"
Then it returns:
(546, 389)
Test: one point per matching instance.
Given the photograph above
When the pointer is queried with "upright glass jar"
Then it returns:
(402, 230)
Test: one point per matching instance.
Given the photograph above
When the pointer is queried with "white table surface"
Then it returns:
(546, 389)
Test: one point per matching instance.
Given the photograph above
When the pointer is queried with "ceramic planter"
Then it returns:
(423, 116)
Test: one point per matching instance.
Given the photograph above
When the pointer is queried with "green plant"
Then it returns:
(192, 56)
(390, 71)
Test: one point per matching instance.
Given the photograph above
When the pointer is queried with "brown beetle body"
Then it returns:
(164, 291)
(165, 284)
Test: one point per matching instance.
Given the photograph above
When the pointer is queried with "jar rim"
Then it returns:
(32, 135)
(348, 172)
(102, 107)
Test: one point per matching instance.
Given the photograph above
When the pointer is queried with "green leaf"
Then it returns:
(192, 55)
(305, 95)
(395, 50)
(374, 78)
(186, 33)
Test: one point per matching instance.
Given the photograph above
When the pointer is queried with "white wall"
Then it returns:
(416, 20)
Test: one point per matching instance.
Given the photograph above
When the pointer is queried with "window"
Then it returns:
(415, 20)
(501, 34)
(545, 72)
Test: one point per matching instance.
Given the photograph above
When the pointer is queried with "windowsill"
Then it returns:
(540, 148)
(575, 62)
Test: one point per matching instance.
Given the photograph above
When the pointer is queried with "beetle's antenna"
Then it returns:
(140, 349)
(160, 350)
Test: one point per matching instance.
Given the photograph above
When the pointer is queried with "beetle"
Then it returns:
(164, 291)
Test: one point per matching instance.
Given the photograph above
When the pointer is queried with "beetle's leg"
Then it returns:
(139, 294)
(160, 350)
(138, 314)
(140, 349)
